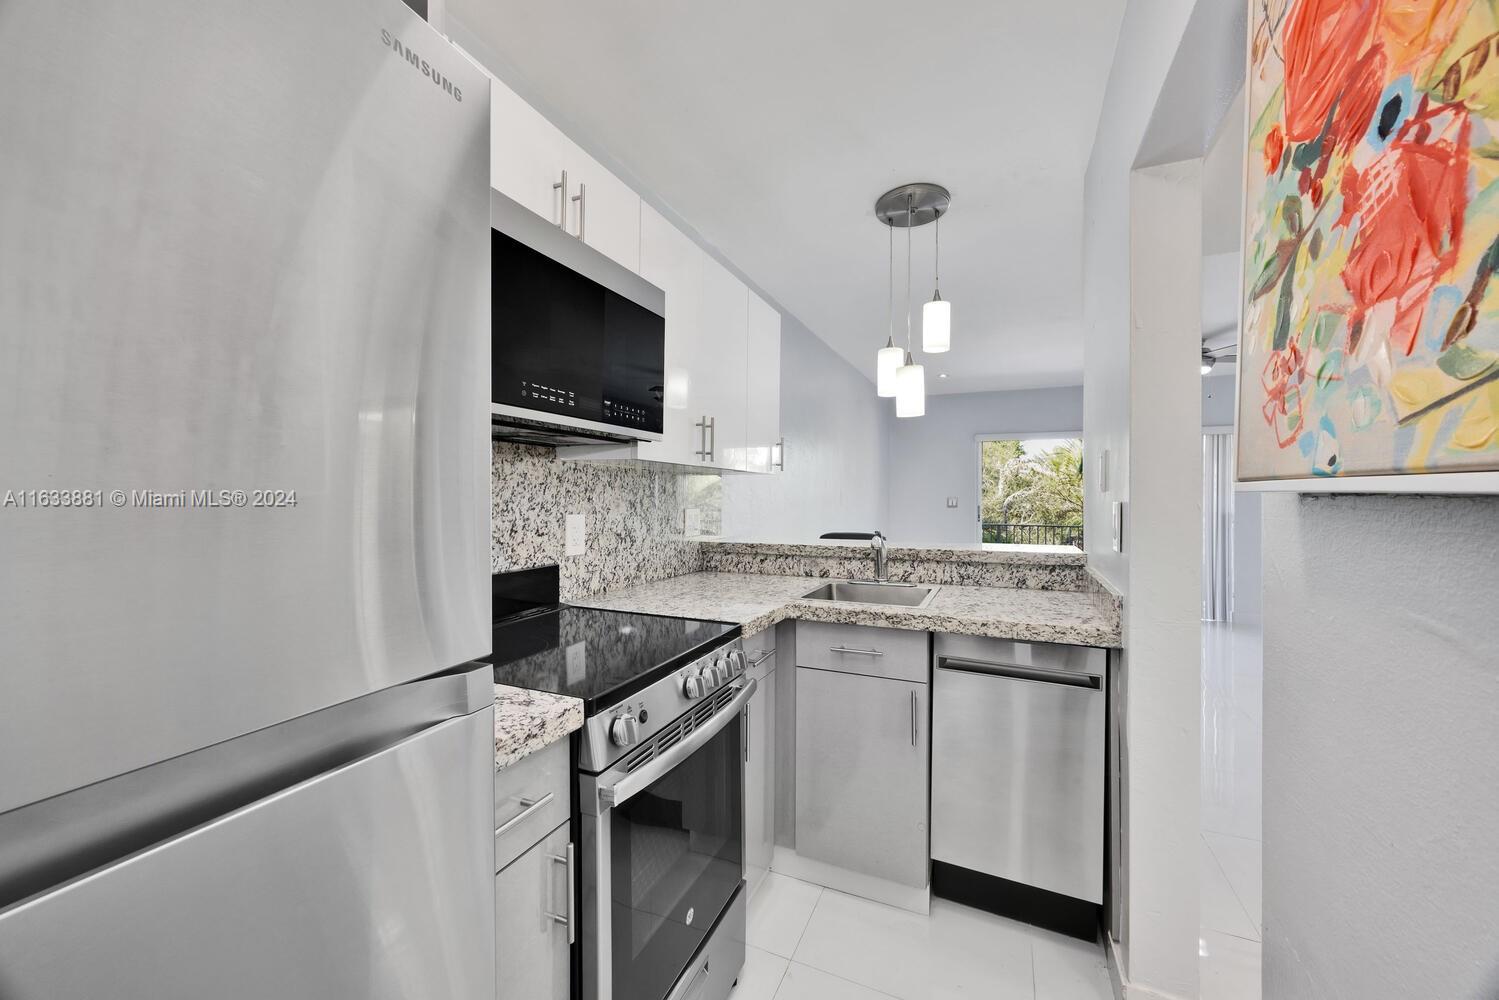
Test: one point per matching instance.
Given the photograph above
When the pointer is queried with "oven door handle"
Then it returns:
(618, 789)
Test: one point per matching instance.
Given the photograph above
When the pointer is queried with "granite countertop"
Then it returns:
(527, 721)
(979, 552)
(758, 601)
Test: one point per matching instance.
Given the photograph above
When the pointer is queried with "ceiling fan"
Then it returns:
(1211, 358)
(1219, 345)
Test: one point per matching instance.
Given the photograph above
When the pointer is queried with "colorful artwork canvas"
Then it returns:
(1370, 337)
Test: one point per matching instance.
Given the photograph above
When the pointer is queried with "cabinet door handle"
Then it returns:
(780, 451)
(709, 437)
(746, 728)
(531, 805)
(582, 199)
(913, 718)
(569, 862)
(561, 188)
(851, 649)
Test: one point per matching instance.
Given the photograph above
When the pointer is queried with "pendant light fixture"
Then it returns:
(909, 206)
(910, 378)
(936, 315)
(889, 357)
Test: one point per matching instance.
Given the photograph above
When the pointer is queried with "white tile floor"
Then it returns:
(810, 943)
(1229, 849)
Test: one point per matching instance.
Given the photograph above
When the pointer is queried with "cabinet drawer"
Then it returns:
(531, 797)
(864, 649)
(760, 654)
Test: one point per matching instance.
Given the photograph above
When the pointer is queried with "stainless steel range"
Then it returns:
(660, 785)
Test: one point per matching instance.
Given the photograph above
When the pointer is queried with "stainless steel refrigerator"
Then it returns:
(244, 503)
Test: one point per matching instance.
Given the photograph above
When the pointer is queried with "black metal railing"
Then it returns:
(1033, 534)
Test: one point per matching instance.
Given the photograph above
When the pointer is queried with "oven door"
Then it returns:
(663, 854)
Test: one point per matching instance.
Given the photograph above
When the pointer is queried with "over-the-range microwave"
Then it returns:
(579, 342)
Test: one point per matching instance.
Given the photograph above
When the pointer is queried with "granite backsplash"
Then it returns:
(908, 565)
(633, 519)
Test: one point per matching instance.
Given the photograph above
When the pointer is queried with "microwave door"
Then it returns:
(634, 364)
(548, 328)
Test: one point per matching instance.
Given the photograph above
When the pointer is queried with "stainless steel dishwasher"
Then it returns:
(1018, 732)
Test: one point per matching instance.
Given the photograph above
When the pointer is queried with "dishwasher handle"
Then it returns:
(1015, 671)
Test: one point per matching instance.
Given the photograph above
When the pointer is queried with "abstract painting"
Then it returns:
(1369, 341)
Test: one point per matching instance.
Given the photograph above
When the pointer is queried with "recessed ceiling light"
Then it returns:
(942, 374)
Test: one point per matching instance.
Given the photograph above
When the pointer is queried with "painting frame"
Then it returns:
(1482, 480)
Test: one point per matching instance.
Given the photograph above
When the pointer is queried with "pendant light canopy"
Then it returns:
(936, 315)
(909, 206)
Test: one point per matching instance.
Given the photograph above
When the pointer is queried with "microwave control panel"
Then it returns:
(534, 392)
(628, 414)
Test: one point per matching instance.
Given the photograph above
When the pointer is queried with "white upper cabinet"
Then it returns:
(528, 156)
(707, 345)
(673, 263)
(763, 388)
(723, 334)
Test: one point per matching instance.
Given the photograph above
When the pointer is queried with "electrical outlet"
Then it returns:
(693, 522)
(577, 534)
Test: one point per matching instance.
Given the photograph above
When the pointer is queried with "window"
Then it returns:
(1031, 490)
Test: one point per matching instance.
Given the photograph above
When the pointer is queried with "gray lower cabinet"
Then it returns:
(759, 766)
(862, 753)
(533, 917)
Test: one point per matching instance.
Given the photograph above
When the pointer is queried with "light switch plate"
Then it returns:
(577, 534)
(952, 503)
(693, 525)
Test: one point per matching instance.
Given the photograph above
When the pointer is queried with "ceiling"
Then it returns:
(771, 128)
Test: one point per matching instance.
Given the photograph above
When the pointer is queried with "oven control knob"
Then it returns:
(723, 671)
(624, 731)
(708, 677)
(740, 661)
(693, 687)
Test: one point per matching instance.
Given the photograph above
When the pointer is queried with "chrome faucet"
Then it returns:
(876, 540)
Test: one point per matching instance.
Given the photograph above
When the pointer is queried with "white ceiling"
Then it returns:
(771, 128)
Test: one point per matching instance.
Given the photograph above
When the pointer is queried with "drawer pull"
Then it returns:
(531, 805)
(851, 649)
(568, 861)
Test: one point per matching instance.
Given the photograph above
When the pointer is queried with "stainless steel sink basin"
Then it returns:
(903, 595)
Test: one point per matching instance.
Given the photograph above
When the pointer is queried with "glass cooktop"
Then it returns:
(596, 655)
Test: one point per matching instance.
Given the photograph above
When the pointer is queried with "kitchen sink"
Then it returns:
(903, 595)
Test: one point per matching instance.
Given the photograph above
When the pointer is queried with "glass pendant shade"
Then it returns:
(936, 325)
(889, 360)
(910, 389)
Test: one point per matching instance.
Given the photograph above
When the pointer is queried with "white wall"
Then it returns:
(837, 434)
(935, 457)
(1142, 403)
(1381, 800)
